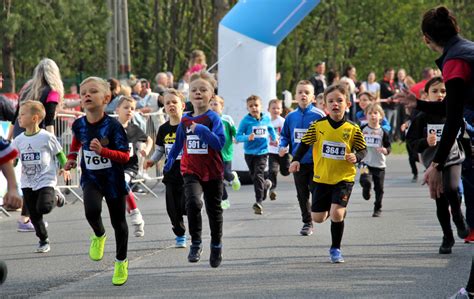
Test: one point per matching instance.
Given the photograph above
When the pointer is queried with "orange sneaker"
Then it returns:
(470, 237)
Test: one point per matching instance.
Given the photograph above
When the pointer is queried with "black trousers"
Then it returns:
(228, 176)
(39, 203)
(175, 207)
(449, 200)
(377, 175)
(256, 165)
(468, 185)
(193, 189)
(93, 209)
(304, 186)
(277, 164)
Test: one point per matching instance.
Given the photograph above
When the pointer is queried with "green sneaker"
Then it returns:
(235, 182)
(96, 251)
(225, 204)
(120, 273)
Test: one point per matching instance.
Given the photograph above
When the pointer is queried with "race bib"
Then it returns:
(94, 161)
(130, 149)
(168, 147)
(195, 146)
(334, 150)
(33, 158)
(260, 131)
(298, 134)
(435, 128)
(373, 140)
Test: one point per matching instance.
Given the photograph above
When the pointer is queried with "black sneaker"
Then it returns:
(366, 193)
(414, 179)
(257, 208)
(194, 253)
(462, 227)
(216, 257)
(306, 230)
(273, 194)
(446, 245)
(138, 189)
(377, 213)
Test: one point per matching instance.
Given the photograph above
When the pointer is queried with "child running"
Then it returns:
(424, 134)
(373, 165)
(136, 138)
(365, 99)
(296, 125)
(104, 153)
(275, 162)
(201, 137)
(174, 102)
(337, 145)
(254, 130)
(217, 105)
(38, 149)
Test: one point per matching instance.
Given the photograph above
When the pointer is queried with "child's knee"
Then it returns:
(318, 217)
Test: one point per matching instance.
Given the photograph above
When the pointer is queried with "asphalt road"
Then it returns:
(394, 256)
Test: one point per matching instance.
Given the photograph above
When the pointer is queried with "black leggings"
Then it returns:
(38, 203)
(93, 209)
(377, 175)
(175, 207)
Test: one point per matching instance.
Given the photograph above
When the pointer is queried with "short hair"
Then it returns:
(275, 101)
(218, 99)
(375, 107)
(114, 83)
(337, 87)
(253, 98)
(431, 82)
(319, 63)
(370, 95)
(124, 99)
(305, 82)
(99, 81)
(176, 93)
(35, 108)
(206, 76)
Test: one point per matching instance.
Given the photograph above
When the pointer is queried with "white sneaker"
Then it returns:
(136, 217)
(139, 229)
(461, 294)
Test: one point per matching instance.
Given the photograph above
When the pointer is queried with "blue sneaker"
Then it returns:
(335, 255)
(181, 242)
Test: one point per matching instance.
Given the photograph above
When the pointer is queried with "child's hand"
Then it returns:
(143, 153)
(252, 137)
(193, 127)
(382, 150)
(12, 199)
(149, 163)
(66, 174)
(294, 167)
(431, 139)
(282, 152)
(404, 126)
(96, 146)
(70, 164)
(351, 158)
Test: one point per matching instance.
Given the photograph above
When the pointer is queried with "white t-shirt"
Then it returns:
(37, 157)
(278, 125)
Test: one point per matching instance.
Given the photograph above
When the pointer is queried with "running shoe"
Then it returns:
(258, 208)
(225, 204)
(462, 227)
(25, 227)
(377, 213)
(136, 220)
(335, 255)
(267, 185)
(470, 237)
(307, 229)
(461, 294)
(180, 241)
(366, 193)
(216, 256)
(194, 253)
(139, 229)
(273, 194)
(414, 179)
(446, 245)
(43, 247)
(96, 250)
(235, 182)
(120, 273)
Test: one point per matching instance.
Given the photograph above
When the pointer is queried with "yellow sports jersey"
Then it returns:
(330, 146)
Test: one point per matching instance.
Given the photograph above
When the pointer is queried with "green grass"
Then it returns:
(398, 148)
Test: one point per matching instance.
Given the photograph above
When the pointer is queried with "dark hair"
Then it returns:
(331, 75)
(347, 69)
(433, 81)
(113, 84)
(440, 25)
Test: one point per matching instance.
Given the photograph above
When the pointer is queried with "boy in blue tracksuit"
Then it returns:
(255, 130)
(296, 125)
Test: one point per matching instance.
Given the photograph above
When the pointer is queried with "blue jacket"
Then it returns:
(296, 124)
(362, 120)
(262, 128)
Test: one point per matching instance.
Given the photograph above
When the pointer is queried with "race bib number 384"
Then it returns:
(94, 161)
(334, 150)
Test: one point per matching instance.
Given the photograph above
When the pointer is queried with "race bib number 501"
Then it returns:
(95, 162)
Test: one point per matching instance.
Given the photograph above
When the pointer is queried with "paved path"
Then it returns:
(395, 256)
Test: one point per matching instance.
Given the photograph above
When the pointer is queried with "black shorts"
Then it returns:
(324, 195)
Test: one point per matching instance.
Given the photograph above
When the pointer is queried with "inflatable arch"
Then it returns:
(248, 38)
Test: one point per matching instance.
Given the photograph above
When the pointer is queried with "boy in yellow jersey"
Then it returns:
(337, 145)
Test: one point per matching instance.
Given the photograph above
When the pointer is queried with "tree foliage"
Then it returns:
(370, 34)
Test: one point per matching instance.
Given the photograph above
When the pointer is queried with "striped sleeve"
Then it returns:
(359, 141)
(7, 152)
(310, 135)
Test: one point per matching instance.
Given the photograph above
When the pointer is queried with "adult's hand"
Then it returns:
(434, 179)
(406, 98)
